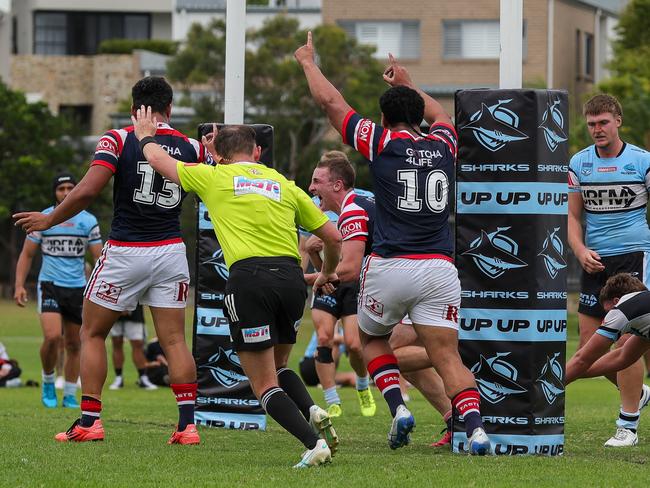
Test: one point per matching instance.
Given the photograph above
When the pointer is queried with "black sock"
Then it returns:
(118, 371)
(280, 407)
(141, 372)
(293, 386)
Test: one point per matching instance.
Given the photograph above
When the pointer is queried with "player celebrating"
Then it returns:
(61, 283)
(627, 302)
(333, 183)
(143, 261)
(411, 270)
(609, 181)
(254, 211)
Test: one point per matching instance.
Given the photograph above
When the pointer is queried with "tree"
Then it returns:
(32, 150)
(276, 91)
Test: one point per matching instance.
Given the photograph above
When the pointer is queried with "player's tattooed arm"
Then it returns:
(323, 92)
(145, 124)
(397, 75)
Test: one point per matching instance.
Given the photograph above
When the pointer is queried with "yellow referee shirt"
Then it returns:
(253, 208)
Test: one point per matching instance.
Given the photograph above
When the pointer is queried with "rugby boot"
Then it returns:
(77, 433)
(70, 401)
(479, 443)
(400, 430)
(445, 440)
(623, 438)
(320, 454)
(321, 422)
(185, 437)
(48, 395)
(366, 402)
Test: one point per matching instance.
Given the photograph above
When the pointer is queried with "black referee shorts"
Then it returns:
(264, 301)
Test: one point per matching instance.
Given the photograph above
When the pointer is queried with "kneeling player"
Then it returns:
(627, 302)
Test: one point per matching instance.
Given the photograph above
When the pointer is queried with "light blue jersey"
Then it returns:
(311, 347)
(614, 194)
(64, 248)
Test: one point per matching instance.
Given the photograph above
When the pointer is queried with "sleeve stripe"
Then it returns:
(446, 141)
(448, 126)
(345, 126)
(357, 236)
(115, 135)
(98, 162)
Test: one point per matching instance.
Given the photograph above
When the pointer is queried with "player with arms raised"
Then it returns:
(411, 269)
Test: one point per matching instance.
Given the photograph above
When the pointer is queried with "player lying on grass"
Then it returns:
(627, 302)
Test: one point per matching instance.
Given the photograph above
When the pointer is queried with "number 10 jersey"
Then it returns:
(412, 176)
(147, 206)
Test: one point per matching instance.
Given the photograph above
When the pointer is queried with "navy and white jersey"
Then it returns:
(631, 315)
(412, 176)
(147, 206)
(357, 219)
(64, 249)
(614, 194)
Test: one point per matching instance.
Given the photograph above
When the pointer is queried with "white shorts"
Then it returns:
(132, 331)
(427, 290)
(124, 276)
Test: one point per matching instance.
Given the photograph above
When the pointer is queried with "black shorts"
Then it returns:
(341, 303)
(308, 372)
(264, 301)
(591, 284)
(58, 299)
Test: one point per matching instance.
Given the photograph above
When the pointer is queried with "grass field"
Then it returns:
(138, 424)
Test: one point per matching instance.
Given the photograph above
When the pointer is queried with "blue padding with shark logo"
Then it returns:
(482, 324)
(242, 421)
(517, 444)
(512, 198)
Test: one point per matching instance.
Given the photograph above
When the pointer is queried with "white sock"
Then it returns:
(70, 389)
(331, 396)
(48, 378)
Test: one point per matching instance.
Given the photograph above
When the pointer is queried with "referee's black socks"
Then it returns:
(280, 407)
(293, 386)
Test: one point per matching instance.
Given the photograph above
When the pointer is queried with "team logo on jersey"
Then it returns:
(496, 378)
(587, 168)
(495, 126)
(551, 379)
(553, 125)
(108, 292)
(495, 253)
(225, 368)
(552, 250)
(217, 261)
(259, 186)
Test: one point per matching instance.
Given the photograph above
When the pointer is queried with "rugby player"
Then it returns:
(255, 211)
(333, 183)
(61, 282)
(143, 261)
(411, 269)
(627, 302)
(609, 181)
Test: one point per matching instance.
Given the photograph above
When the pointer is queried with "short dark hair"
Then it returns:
(339, 166)
(154, 92)
(602, 103)
(234, 139)
(401, 104)
(618, 285)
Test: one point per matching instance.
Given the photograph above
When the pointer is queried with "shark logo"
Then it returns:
(494, 126)
(552, 253)
(217, 261)
(553, 125)
(495, 253)
(225, 368)
(551, 379)
(496, 378)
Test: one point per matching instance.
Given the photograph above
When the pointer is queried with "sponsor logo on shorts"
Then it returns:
(108, 292)
(451, 313)
(374, 306)
(259, 186)
(256, 334)
(182, 289)
(588, 300)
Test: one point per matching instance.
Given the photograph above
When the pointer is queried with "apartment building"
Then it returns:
(452, 45)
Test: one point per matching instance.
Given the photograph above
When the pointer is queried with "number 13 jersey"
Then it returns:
(412, 176)
(146, 206)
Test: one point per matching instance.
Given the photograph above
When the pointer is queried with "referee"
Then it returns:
(255, 211)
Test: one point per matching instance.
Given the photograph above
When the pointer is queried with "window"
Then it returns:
(402, 38)
(474, 39)
(83, 32)
(588, 65)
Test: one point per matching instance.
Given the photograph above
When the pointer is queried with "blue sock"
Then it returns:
(627, 420)
(362, 383)
(331, 396)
